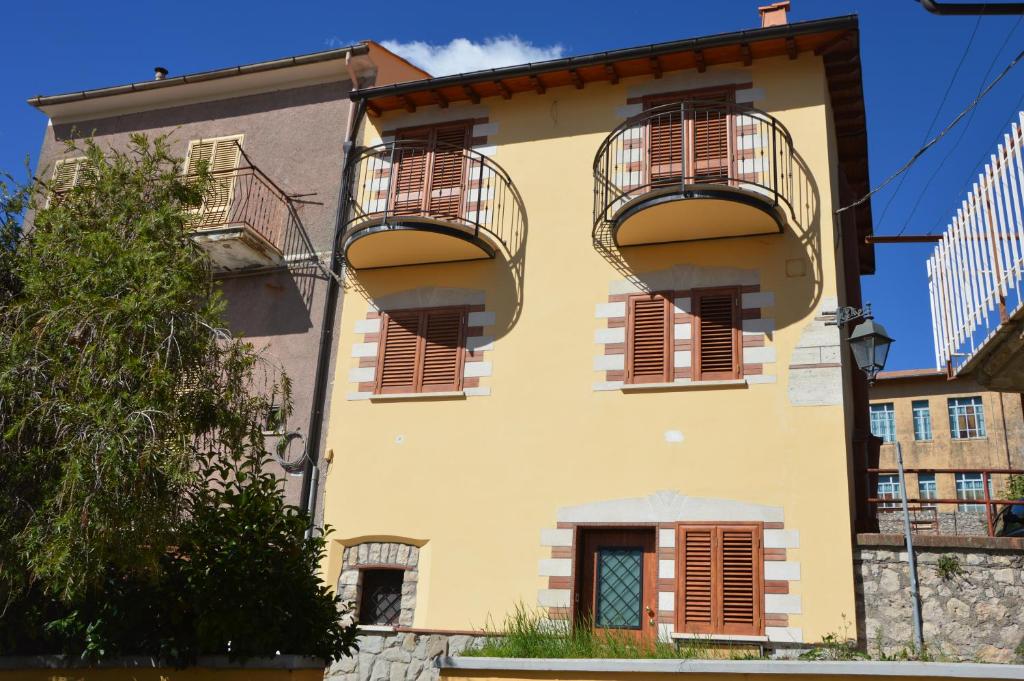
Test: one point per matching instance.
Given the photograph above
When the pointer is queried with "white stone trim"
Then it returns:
(364, 349)
(788, 604)
(600, 386)
(782, 539)
(682, 305)
(665, 630)
(554, 598)
(666, 539)
(666, 601)
(684, 278)
(666, 569)
(555, 567)
(361, 374)
(683, 331)
(615, 334)
(368, 325)
(609, 310)
(782, 570)
(429, 296)
(748, 95)
(354, 396)
(757, 299)
(609, 362)
(484, 129)
(480, 343)
(764, 354)
(669, 507)
(555, 537)
(785, 634)
(474, 369)
(457, 111)
(485, 318)
(477, 392)
(682, 359)
(758, 326)
(628, 110)
(489, 150)
(761, 378)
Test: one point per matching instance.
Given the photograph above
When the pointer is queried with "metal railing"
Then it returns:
(244, 196)
(676, 146)
(975, 272)
(969, 515)
(396, 181)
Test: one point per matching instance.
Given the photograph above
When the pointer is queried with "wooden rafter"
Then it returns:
(471, 94)
(656, 67)
(440, 99)
(698, 56)
(613, 75)
(537, 85)
(409, 105)
(503, 89)
(372, 109)
(832, 44)
(748, 58)
(576, 79)
(791, 47)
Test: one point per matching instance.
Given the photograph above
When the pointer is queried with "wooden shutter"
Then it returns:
(717, 351)
(649, 342)
(399, 352)
(410, 176)
(447, 171)
(422, 351)
(720, 582)
(709, 134)
(65, 174)
(739, 557)
(221, 156)
(665, 148)
(696, 583)
(443, 350)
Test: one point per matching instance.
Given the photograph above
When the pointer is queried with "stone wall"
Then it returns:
(976, 615)
(399, 656)
(949, 523)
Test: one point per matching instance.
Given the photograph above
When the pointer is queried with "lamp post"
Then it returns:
(870, 343)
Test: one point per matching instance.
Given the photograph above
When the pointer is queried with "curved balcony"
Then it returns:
(415, 202)
(690, 171)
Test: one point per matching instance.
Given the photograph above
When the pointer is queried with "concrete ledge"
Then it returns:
(940, 541)
(398, 397)
(928, 670)
(683, 385)
(714, 638)
(141, 662)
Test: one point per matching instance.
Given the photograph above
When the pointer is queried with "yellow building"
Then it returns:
(584, 360)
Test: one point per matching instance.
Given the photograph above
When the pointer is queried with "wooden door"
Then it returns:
(616, 581)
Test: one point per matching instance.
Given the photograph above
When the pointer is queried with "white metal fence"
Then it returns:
(974, 275)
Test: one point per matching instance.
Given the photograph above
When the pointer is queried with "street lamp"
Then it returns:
(870, 345)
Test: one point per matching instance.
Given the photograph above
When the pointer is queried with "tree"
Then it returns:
(122, 400)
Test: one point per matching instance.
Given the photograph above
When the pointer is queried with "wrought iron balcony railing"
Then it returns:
(244, 197)
(418, 184)
(688, 146)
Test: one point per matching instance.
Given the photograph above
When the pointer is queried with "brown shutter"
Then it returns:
(718, 335)
(443, 350)
(399, 352)
(710, 146)
(665, 148)
(696, 583)
(447, 171)
(649, 342)
(409, 180)
(739, 557)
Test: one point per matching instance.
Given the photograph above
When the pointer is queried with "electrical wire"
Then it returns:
(938, 110)
(960, 137)
(920, 152)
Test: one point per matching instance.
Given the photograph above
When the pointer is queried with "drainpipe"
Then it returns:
(307, 501)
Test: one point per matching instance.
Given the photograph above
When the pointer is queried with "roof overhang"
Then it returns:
(836, 40)
(267, 76)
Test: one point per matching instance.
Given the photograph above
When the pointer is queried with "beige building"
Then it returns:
(958, 439)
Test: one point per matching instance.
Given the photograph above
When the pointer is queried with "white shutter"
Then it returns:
(221, 156)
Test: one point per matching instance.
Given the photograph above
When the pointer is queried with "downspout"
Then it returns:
(311, 470)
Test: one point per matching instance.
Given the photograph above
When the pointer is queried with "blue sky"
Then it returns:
(909, 60)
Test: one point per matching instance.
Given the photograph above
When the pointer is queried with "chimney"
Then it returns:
(774, 14)
(159, 73)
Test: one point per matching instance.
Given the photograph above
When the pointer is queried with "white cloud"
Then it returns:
(462, 55)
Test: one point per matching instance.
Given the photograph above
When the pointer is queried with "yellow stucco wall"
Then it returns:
(475, 480)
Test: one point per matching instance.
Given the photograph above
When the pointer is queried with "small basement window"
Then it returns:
(381, 599)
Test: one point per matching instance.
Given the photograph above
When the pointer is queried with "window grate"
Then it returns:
(619, 588)
(381, 601)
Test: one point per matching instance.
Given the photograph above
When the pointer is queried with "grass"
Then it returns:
(529, 633)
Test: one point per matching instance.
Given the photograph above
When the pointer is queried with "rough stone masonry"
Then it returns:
(399, 656)
(977, 615)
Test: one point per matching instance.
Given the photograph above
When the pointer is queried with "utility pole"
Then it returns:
(915, 594)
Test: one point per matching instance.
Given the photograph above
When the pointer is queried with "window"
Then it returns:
(649, 347)
(966, 418)
(971, 486)
(883, 421)
(717, 335)
(430, 173)
(888, 488)
(274, 422)
(619, 602)
(705, 154)
(422, 351)
(68, 173)
(926, 488)
(922, 420)
(220, 156)
(381, 600)
(720, 583)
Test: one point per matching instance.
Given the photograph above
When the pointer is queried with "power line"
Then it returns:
(920, 152)
(963, 132)
(938, 110)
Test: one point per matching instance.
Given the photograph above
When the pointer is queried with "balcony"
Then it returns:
(691, 171)
(412, 202)
(242, 221)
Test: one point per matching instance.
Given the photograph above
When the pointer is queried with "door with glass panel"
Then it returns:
(616, 587)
